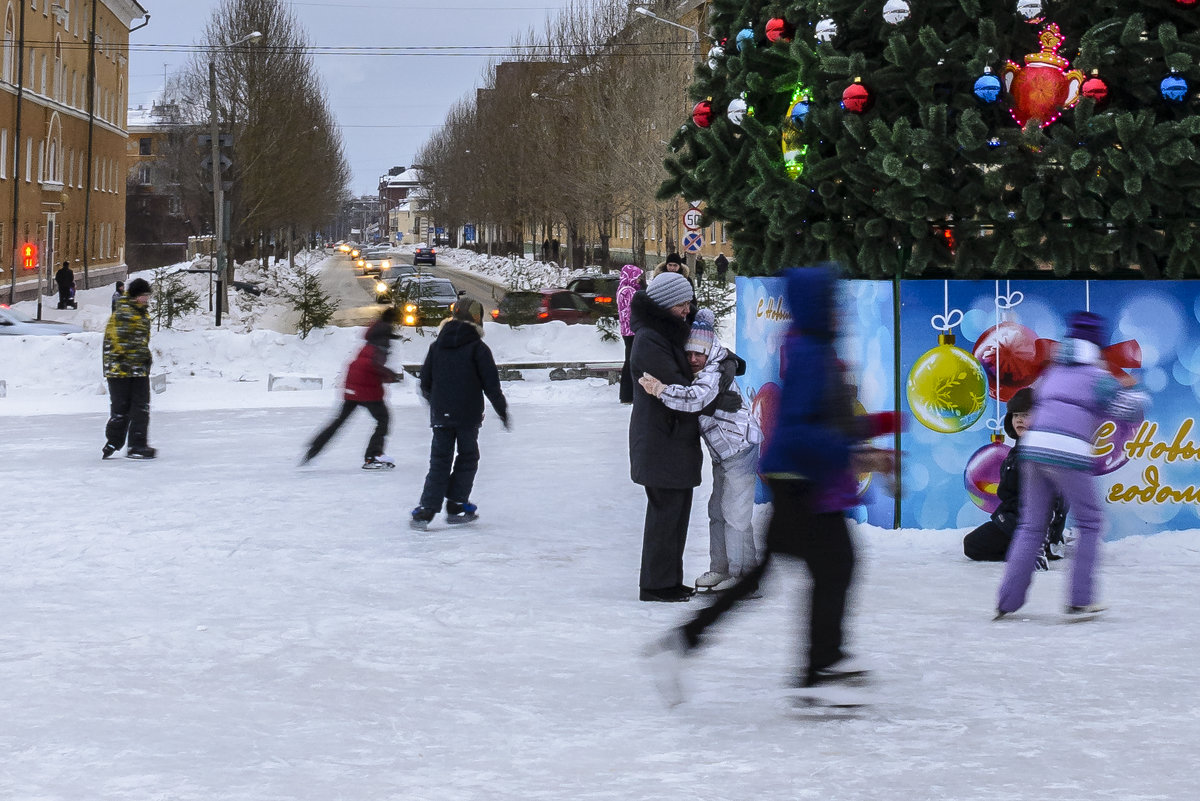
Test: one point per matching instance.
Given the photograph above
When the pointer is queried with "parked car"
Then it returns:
(597, 290)
(425, 254)
(424, 300)
(542, 306)
(17, 324)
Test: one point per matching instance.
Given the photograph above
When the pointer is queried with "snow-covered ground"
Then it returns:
(221, 624)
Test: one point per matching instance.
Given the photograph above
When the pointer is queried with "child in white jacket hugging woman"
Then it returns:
(733, 438)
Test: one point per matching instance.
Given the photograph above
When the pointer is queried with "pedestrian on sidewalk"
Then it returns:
(664, 445)
(732, 436)
(65, 278)
(811, 463)
(699, 269)
(364, 387)
(631, 281)
(458, 372)
(1071, 399)
(127, 363)
(722, 267)
(117, 294)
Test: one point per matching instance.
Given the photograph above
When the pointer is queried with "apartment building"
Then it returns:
(62, 147)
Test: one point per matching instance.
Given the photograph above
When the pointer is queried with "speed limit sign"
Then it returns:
(691, 219)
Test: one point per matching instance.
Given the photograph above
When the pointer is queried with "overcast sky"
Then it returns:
(387, 105)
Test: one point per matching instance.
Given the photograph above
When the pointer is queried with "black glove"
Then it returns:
(729, 401)
(506, 420)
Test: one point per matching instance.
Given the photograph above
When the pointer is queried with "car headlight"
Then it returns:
(381, 287)
(410, 320)
(410, 308)
(362, 263)
(385, 264)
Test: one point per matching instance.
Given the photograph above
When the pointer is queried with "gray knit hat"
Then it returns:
(669, 289)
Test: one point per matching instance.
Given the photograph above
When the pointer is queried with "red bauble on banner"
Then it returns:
(778, 30)
(1015, 349)
(702, 113)
(856, 97)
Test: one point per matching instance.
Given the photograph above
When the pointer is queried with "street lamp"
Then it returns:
(645, 12)
(218, 193)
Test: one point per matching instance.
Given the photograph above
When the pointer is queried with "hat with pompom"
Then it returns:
(702, 336)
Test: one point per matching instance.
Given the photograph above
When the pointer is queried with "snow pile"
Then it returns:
(514, 272)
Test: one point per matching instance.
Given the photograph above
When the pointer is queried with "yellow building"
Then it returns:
(62, 152)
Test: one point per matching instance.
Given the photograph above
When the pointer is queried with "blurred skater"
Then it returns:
(1071, 399)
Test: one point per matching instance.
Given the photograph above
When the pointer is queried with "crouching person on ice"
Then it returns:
(732, 437)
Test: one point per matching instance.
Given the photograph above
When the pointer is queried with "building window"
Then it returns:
(3, 154)
(10, 45)
(29, 159)
(44, 76)
(144, 146)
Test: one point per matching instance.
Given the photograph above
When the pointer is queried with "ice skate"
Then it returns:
(145, 452)
(458, 513)
(830, 696)
(1079, 614)
(709, 581)
(849, 670)
(380, 462)
(420, 518)
(107, 451)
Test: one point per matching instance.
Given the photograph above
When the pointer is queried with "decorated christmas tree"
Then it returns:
(936, 137)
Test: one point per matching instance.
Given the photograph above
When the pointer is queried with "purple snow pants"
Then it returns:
(1039, 484)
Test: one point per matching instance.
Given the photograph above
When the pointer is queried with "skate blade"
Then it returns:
(377, 466)
(419, 525)
(458, 520)
(832, 697)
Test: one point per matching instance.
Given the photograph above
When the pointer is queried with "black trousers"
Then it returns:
(822, 541)
(988, 543)
(378, 410)
(626, 374)
(663, 538)
(451, 477)
(128, 412)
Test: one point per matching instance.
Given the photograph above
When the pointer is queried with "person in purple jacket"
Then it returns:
(631, 282)
(1072, 399)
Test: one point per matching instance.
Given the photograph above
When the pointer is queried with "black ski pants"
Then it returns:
(378, 410)
(988, 543)
(451, 477)
(822, 541)
(128, 412)
(664, 536)
(626, 395)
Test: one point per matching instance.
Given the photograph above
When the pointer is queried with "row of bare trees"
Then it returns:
(289, 175)
(567, 136)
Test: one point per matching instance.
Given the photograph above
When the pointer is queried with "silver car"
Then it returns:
(15, 324)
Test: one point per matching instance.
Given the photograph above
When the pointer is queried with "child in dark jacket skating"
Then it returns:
(1071, 400)
(458, 372)
(364, 387)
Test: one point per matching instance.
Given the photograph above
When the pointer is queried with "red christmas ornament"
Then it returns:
(982, 474)
(1014, 349)
(778, 29)
(855, 97)
(1045, 85)
(1095, 88)
(702, 113)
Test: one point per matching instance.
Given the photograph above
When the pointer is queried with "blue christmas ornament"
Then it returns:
(987, 88)
(798, 112)
(1173, 88)
(745, 37)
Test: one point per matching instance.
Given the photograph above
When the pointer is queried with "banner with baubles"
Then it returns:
(964, 349)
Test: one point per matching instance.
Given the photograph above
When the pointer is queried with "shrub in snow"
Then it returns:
(304, 291)
(172, 298)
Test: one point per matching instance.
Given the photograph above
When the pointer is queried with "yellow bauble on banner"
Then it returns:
(947, 388)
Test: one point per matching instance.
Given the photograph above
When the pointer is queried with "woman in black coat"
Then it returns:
(664, 445)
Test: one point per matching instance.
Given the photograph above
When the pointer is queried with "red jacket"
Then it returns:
(366, 376)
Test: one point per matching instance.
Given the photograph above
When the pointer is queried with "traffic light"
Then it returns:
(29, 256)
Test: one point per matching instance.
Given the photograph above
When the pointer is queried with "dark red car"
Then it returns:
(542, 306)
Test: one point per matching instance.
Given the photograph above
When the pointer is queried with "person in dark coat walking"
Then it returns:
(65, 278)
(127, 361)
(664, 445)
(458, 372)
(811, 463)
(722, 267)
(989, 542)
(364, 387)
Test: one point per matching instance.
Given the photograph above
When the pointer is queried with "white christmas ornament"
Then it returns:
(895, 11)
(1029, 8)
(737, 110)
(826, 30)
(715, 54)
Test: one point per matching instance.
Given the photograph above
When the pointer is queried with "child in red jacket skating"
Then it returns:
(364, 387)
